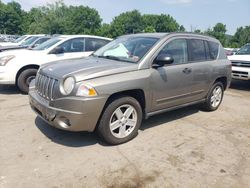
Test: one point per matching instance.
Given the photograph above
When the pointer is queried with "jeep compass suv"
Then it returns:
(131, 78)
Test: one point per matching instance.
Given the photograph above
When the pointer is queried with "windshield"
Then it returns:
(245, 50)
(29, 41)
(19, 39)
(47, 44)
(128, 49)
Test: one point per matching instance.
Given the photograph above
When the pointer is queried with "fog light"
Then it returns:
(64, 122)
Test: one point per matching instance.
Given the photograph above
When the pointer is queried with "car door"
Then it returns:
(201, 61)
(171, 84)
(72, 48)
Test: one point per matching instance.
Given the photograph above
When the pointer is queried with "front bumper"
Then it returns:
(69, 113)
(242, 73)
(6, 77)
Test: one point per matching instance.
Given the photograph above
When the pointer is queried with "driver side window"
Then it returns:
(177, 49)
(73, 45)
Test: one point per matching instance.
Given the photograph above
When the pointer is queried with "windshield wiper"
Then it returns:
(113, 58)
(109, 57)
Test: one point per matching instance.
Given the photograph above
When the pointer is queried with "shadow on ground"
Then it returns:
(9, 90)
(81, 139)
(169, 117)
(66, 138)
(240, 85)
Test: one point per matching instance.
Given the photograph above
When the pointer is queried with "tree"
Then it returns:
(241, 37)
(166, 23)
(58, 18)
(83, 20)
(10, 18)
(149, 29)
(160, 23)
(126, 23)
(219, 32)
(105, 31)
(149, 21)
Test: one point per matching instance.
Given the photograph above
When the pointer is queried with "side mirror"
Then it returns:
(161, 60)
(57, 50)
(34, 45)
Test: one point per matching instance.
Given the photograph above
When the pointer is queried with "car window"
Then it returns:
(29, 41)
(47, 44)
(93, 44)
(177, 49)
(214, 49)
(42, 40)
(197, 50)
(128, 48)
(19, 39)
(245, 50)
(73, 45)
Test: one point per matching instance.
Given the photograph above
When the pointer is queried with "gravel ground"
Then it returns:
(183, 148)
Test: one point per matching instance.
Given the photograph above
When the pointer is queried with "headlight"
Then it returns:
(86, 91)
(68, 86)
(4, 60)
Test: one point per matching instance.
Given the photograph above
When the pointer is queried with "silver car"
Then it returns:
(131, 78)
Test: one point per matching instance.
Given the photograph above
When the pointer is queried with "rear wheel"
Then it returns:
(120, 120)
(25, 78)
(214, 97)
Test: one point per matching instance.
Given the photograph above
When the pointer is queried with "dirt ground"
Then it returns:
(183, 148)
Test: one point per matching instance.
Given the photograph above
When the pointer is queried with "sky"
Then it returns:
(193, 14)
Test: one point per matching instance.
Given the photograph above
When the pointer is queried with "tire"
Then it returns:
(214, 97)
(125, 115)
(25, 78)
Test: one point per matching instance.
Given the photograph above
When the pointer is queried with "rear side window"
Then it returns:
(214, 50)
(42, 40)
(197, 51)
(93, 44)
(73, 45)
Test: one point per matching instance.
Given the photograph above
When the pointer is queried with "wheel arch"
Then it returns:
(31, 66)
(223, 80)
(138, 94)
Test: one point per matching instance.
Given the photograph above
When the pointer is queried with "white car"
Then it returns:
(20, 40)
(19, 67)
(241, 63)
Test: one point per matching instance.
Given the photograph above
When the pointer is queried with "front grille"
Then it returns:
(45, 86)
(241, 64)
(240, 74)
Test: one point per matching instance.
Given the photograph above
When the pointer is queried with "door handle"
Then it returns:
(187, 70)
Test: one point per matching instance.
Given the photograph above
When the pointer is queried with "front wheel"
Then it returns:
(120, 120)
(25, 78)
(214, 97)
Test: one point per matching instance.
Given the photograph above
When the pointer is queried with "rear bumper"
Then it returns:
(72, 114)
(241, 73)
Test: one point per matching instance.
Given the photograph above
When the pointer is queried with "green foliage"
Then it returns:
(105, 31)
(11, 18)
(149, 29)
(241, 37)
(82, 20)
(219, 32)
(160, 23)
(166, 23)
(58, 18)
(126, 23)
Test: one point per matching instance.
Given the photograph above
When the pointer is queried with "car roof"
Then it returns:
(90, 36)
(163, 35)
(150, 35)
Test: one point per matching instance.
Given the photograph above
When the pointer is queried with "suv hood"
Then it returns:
(239, 58)
(86, 68)
(24, 53)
